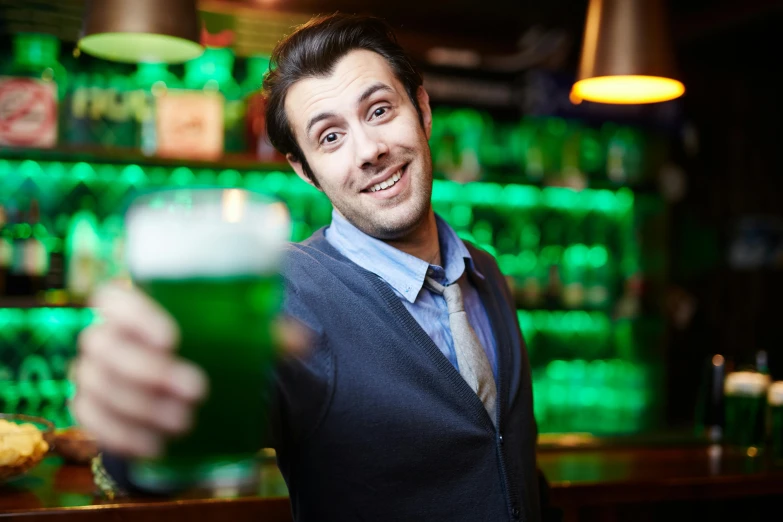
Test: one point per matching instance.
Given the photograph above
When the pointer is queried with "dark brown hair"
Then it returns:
(312, 51)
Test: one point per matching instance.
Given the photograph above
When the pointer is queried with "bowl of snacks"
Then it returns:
(75, 445)
(24, 441)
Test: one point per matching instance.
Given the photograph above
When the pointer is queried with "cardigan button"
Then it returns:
(515, 513)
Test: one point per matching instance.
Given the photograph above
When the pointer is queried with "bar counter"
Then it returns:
(586, 483)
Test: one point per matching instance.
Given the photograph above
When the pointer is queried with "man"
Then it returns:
(415, 401)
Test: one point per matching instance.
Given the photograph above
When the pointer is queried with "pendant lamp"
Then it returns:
(626, 54)
(132, 31)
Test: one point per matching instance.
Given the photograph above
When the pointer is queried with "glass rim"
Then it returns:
(143, 197)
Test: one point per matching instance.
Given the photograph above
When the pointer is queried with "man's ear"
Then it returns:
(299, 169)
(426, 112)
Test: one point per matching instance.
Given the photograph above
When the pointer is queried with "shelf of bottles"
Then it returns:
(553, 200)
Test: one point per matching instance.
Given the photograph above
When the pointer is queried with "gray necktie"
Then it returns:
(472, 360)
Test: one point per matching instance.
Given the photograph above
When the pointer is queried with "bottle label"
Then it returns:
(190, 125)
(28, 112)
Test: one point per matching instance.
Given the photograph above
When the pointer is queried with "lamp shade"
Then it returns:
(626, 54)
(141, 30)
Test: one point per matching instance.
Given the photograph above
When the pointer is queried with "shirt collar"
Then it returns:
(404, 272)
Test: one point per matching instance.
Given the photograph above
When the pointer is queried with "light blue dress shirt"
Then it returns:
(406, 273)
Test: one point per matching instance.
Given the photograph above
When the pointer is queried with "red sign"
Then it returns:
(28, 112)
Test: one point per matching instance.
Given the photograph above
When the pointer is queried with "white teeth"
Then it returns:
(394, 178)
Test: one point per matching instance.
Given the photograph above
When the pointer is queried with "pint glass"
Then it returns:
(775, 402)
(745, 402)
(211, 258)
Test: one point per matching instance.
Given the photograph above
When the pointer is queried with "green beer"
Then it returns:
(775, 402)
(745, 403)
(211, 259)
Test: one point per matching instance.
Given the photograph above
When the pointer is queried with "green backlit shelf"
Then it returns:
(64, 176)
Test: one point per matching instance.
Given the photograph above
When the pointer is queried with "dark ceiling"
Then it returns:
(502, 22)
(487, 26)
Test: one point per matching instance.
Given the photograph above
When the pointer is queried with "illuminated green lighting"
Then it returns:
(276, 182)
(576, 254)
(24, 231)
(30, 169)
(605, 201)
(36, 48)
(140, 47)
(521, 196)
(483, 193)
(527, 261)
(598, 256)
(133, 175)
(551, 255)
(288, 185)
(56, 170)
(39, 231)
(461, 215)
(560, 198)
(229, 179)
(625, 199)
(182, 176)
(83, 172)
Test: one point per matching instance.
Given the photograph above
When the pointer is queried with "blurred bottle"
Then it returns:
(30, 92)
(598, 278)
(762, 365)
(18, 281)
(573, 273)
(709, 404)
(6, 250)
(82, 253)
(150, 81)
(36, 257)
(192, 123)
(532, 142)
(624, 148)
(571, 174)
(591, 154)
(257, 136)
(212, 72)
(83, 108)
(466, 128)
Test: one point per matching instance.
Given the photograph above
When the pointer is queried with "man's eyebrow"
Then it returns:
(372, 89)
(369, 91)
(318, 117)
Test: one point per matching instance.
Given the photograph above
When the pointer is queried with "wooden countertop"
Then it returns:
(578, 478)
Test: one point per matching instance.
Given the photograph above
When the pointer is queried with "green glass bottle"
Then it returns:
(150, 80)
(213, 72)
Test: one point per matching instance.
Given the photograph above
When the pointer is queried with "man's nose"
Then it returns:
(370, 147)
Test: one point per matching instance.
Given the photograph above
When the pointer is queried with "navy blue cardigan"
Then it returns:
(376, 424)
(385, 428)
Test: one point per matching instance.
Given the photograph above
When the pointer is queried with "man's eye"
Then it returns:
(380, 111)
(330, 138)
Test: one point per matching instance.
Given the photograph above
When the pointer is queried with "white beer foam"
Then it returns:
(205, 241)
(775, 394)
(746, 383)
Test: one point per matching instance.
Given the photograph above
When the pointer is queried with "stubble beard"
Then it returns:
(397, 227)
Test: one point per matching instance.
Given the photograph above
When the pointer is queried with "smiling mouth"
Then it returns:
(388, 182)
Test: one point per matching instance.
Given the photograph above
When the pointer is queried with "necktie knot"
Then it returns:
(451, 293)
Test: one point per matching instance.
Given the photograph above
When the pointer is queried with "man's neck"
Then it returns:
(422, 242)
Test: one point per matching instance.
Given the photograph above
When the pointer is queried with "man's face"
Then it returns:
(365, 145)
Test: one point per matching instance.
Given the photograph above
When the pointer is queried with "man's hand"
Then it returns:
(132, 389)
